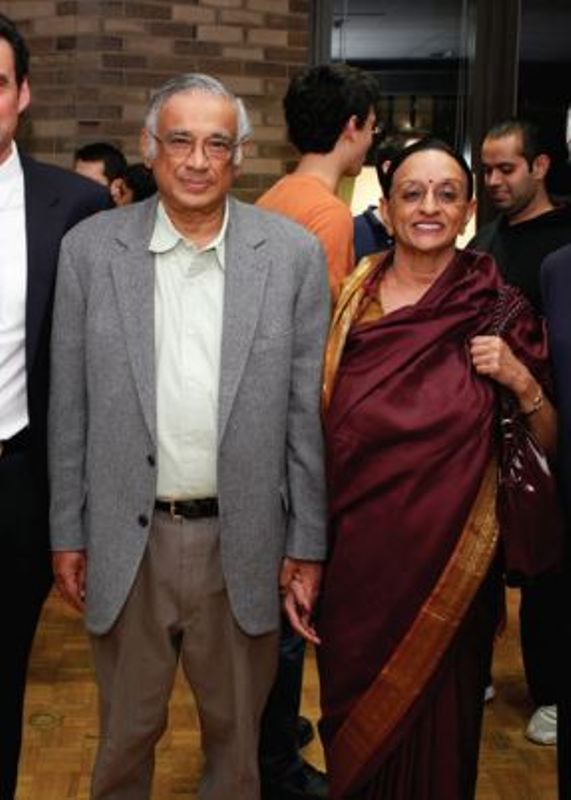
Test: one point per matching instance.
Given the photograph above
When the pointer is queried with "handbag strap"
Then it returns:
(509, 305)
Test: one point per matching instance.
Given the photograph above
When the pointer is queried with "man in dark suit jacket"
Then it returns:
(38, 204)
(556, 290)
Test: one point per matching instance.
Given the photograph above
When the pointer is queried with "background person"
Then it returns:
(38, 204)
(412, 588)
(103, 163)
(330, 112)
(138, 184)
(528, 227)
(529, 224)
(370, 234)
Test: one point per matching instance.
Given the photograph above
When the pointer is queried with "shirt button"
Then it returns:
(143, 520)
(151, 460)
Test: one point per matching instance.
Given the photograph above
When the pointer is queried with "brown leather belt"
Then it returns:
(15, 444)
(189, 509)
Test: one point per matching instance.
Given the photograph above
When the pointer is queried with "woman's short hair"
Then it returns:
(421, 146)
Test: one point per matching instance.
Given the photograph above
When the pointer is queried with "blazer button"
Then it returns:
(143, 520)
(151, 460)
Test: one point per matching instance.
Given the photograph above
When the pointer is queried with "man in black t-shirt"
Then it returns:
(529, 227)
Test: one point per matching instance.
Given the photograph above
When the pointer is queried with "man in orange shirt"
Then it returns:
(331, 119)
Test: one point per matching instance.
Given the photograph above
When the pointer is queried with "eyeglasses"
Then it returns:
(179, 146)
(444, 194)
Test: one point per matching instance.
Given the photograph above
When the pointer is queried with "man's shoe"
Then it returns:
(542, 728)
(305, 732)
(302, 783)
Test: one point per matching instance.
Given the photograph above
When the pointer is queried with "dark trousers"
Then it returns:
(564, 745)
(564, 692)
(25, 583)
(279, 752)
(541, 607)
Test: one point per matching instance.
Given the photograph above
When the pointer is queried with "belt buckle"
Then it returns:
(172, 511)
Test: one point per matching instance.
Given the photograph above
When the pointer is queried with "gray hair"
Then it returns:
(196, 82)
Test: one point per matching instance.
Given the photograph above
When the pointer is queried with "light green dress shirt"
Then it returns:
(189, 296)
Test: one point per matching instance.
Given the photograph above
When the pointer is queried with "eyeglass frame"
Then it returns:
(436, 189)
(192, 143)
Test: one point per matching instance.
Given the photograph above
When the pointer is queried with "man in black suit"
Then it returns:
(556, 290)
(38, 204)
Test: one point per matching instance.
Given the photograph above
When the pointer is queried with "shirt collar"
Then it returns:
(11, 168)
(166, 237)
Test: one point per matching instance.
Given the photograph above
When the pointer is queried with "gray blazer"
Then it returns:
(102, 419)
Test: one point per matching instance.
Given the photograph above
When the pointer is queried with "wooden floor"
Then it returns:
(61, 724)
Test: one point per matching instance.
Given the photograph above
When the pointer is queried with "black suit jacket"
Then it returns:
(556, 288)
(55, 200)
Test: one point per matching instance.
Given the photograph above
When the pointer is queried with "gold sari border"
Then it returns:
(403, 678)
(345, 311)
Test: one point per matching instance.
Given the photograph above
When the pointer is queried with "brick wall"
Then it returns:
(95, 62)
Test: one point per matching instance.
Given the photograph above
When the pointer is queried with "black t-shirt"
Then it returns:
(519, 249)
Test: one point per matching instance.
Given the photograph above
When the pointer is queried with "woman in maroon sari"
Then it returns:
(411, 596)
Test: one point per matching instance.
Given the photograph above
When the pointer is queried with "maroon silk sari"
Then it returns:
(409, 432)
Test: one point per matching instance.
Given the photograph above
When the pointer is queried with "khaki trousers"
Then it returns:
(178, 608)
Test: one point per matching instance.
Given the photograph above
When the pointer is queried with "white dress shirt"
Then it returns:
(189, 296)
(13, 284)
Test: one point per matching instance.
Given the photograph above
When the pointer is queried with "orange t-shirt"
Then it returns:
(306, 200)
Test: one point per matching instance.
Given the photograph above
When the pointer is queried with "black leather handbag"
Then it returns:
(532, 528)
(530, 517)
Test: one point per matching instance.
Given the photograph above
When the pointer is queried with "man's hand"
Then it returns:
(69, 568)
(299, 587)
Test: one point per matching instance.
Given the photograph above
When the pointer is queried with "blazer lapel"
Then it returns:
(41, 202)
(133, 271)
(245, 278)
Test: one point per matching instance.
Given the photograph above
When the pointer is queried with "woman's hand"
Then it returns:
(491, 356)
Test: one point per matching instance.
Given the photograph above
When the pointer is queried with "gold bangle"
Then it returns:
(536, 404)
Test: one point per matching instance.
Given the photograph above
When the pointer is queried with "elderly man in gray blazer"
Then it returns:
(185, 445)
